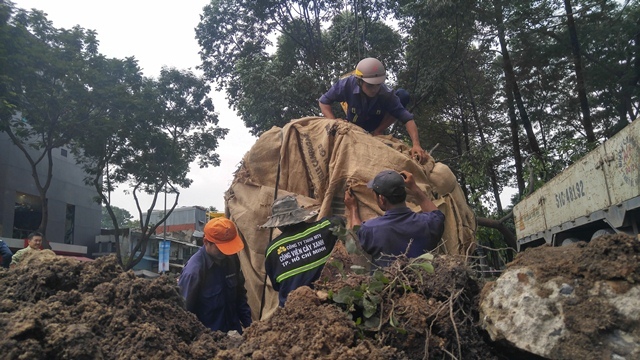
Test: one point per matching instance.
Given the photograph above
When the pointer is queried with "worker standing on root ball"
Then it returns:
(400, 230)
(212, 282)
(370, 104)
(296, 257)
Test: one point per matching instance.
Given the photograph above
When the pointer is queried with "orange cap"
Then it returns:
(222, 232)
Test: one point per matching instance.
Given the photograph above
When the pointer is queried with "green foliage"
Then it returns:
(367, 300)
(366, 297)
(58, 90)
(348, 237)
(169, 123)
(271, 87)
(123, 218)
(495, 250)
(44, 88)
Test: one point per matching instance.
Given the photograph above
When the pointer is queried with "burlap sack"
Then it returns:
(318, 159)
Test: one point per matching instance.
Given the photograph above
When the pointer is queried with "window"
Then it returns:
(69, 224)
(63, 152)
(27, 215)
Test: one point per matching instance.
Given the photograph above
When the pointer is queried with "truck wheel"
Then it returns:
(569, 241)
(602, 232)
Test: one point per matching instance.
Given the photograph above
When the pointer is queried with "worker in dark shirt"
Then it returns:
(370, 104)
(400, 230)
(297, 256)
(212, 283)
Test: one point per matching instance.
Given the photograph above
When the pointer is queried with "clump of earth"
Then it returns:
(581, 299)
(54, 307)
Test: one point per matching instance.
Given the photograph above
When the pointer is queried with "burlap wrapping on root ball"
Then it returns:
(319, 158)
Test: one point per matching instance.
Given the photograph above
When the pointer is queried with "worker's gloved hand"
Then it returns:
(419, 154)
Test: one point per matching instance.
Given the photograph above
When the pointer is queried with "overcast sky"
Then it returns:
(157, 34)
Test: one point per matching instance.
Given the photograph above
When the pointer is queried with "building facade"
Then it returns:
(181, 248)
(186, 219)
(74, 216)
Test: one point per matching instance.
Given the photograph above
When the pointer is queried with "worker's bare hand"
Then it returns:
(409, 181)
(350, 200)
(419, 154)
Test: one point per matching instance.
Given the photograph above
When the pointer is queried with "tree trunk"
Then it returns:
(577, 62)
(490, 168)
(42, 189)
(515, 139)
(510, 78)
(509, 237)
(463, 182)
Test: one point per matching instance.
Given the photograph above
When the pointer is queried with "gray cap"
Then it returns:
(286, 211)
(388, 183)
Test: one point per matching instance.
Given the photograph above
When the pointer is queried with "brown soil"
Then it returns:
(306, 328)
(610, 257)
(614, 259)
(424, 316)
(54, 307)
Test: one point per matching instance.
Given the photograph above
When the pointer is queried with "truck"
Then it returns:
(597, 195)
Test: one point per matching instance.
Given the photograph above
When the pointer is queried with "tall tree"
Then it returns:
(270, 83)
(148, 143)
(123, 217)
(43, 79)
(493, 82)
(579, 71)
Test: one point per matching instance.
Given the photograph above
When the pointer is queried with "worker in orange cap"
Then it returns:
(212, 283)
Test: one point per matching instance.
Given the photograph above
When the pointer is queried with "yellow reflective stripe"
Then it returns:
(347, 74)
(302, 269)
(297, 236)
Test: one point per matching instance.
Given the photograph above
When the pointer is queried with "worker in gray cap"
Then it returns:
(399, 230)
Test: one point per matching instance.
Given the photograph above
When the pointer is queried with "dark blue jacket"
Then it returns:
(6, 254)
(390, 234)
(214, 291)
(296, 257)
(362, 110)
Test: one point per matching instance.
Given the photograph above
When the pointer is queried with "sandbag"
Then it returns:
(318, 159)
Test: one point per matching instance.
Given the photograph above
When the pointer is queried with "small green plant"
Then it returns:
(348, 237)
(366, 301)
(363, 299)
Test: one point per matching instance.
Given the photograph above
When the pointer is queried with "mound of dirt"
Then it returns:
(580, 301)
(59, 308)
(307, 328)
(609, 257)
(421, 314)
(53, 307)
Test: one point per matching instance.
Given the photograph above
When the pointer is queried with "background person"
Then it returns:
(212, 283)
(6, 254)
(35, 244)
